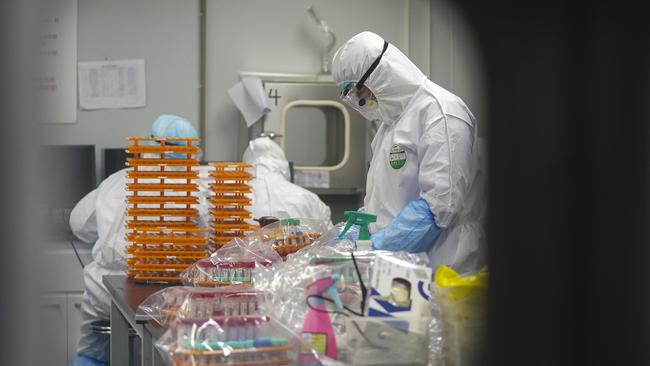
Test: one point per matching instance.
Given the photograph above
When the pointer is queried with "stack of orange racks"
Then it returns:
(231, 197)
(163, 235)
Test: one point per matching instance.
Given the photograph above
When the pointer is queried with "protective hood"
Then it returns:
(266, 157)
(394, 82)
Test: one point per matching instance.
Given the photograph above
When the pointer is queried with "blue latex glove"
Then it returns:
(413, 230)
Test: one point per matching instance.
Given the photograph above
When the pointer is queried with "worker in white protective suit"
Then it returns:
(273, 193)
(425, 181)
(99, 218)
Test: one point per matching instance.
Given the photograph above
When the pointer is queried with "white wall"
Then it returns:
(249, 35)
(455, 59)
(279, 36)
(165, 33)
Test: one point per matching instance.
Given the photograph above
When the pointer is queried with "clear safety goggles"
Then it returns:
(355, 99)
(351, 92)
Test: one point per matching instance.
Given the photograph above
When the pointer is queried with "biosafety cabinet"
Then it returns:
(325, 140)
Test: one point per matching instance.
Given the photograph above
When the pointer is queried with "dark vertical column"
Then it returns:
(569, 216)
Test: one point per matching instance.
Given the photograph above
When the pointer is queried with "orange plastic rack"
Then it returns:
(163, 174)
(231, 196)
(160, 225)
(163, 237)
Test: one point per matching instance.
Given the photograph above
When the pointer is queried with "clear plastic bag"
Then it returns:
(291, 300)
(382, 341)
(235, 340)
(182, 302)
(436, 336)
(289, 235)
(287, 282)
(232, 265)
(459, 317)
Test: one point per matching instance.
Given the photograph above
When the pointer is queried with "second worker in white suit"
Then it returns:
(273, 193)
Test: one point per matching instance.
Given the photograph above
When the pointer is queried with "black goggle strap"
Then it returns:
(371, 68)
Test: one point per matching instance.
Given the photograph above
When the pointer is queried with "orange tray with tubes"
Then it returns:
(154, 279)
(174, 212)
(228, 203)
(161, 162)
(230, 232)
(230, 194)
(162, 200)
(233, 188)
(230, 208)
(159, 262)
(138, 249)
(229, 182)
(242, 201)
(230, 166)
(168, 254)
(143, 225)
(235, 233)
(231, 174)
(149, 187)
(227, 221)
(233, 226)
(178, 231)
(174, 239)
(144, 267)
(162, 149)
(166, 247)
(232, 213)
(160, 249)
(162, 174)
(156, 261)
(284, 250)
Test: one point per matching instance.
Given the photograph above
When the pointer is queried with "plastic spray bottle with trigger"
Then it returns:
(317, 329)
(362, 219)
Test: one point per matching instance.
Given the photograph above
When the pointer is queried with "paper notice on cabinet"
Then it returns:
(312, 178)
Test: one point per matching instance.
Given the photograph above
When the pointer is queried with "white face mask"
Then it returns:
(370, 113)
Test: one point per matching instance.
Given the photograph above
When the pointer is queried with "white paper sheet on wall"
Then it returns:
(312, 178)
(250, 98)
(57, 76)
(112, 84)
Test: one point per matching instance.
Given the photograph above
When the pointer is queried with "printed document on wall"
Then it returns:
(112, 84)
(56, 79)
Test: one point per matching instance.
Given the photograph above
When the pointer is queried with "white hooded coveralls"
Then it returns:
(99, 218)
(273, 193)
(436, 134)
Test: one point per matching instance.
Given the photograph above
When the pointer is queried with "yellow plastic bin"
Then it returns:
(461, 300)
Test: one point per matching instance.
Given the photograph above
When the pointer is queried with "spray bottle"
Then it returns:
(362, 219)
(317, 329)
